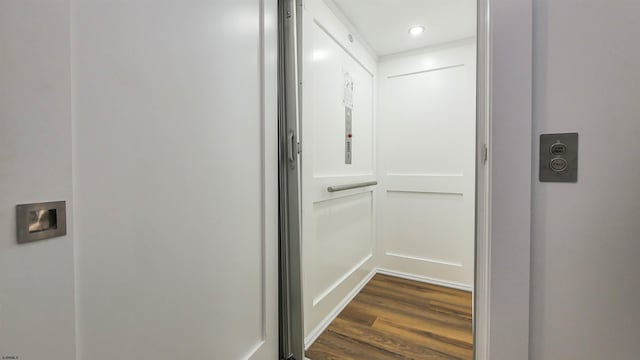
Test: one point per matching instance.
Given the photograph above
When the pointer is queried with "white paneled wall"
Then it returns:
(37, 315)
(338, 228)
(414, 132)
(426, 163)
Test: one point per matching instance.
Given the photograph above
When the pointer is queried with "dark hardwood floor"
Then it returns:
(394, 318)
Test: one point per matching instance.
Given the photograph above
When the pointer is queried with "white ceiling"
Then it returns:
(385, 23)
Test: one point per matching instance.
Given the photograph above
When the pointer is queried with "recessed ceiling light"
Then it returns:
(416, 30)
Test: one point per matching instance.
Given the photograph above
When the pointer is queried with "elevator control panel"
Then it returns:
(347, 101)
(559, 157)
(348, 135)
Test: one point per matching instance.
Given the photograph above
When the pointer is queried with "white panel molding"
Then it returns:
(441, 183)
(343, 194)
(347, 51)
(456, 194)
(323, 177)
(337, 11)
(266, 142)
(324, 324)
(425, 279)
(340, 280)
(339, 29)
(426, 174)
(435, 47)
(417, 258)
(424, 71)
(333, 176)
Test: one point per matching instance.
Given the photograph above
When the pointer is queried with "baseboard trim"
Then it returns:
(433, 261)
(342, 278)
(324, 324)
(425, 279)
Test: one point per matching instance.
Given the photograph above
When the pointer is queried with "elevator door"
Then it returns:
(175, 126)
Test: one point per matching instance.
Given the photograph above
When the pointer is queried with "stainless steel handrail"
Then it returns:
(351, 186)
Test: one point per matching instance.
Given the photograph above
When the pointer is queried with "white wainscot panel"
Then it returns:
(426, 227)
(343, 241)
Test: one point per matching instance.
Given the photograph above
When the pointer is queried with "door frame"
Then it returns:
(503, 179)
(503, 223)
(291, 319)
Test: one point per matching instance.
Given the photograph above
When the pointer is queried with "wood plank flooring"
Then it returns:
(394, 318)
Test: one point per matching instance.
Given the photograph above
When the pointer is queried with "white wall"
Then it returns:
(338, 229)
(426, 162)
(36, 280)
(508, 178)
(586, 236)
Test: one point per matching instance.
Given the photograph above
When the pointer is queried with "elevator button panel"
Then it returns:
(348, 117)
(348, 137)
(559, 157)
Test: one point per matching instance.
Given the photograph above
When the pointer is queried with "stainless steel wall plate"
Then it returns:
(348, 136)
(559, 157)
(40, 221)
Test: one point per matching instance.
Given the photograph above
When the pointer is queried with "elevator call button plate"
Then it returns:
(559, 157)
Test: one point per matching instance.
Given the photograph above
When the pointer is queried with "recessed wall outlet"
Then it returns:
(559, 157)
(40, 221)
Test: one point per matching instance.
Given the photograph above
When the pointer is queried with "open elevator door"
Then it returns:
(290, 280)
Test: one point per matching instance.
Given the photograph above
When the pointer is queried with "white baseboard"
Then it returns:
(425, 279)
(339, 282)
(324, 324)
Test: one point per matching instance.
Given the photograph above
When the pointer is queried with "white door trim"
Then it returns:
(481, 298)
(501, 306)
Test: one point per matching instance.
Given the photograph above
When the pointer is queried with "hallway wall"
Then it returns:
(37, 319)
(166, 153)
(586, 236)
